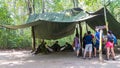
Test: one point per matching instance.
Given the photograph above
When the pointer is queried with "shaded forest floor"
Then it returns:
(24, 59)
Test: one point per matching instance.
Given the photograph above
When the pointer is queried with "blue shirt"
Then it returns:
(97, 36)
(88, 39)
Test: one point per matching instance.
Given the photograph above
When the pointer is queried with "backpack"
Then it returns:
(110, 37)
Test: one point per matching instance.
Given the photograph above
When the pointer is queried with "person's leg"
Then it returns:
(113, 53)
(90, 50)
(95, 49)
(85, 51)
(78, 51)
(108, 52)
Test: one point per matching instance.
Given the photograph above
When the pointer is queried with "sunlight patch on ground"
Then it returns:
(117, 57)
(12, 58)
(70, 67)
(13, 54)
(12, 63)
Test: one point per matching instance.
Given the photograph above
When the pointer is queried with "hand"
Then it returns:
(74, 48)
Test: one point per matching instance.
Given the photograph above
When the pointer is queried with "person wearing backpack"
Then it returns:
(114, 39)
(110, 45)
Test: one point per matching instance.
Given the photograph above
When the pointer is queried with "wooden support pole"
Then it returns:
(105, 16)
(86, 26)
(100, 46)
(33, 39)
(80, 28)
(106, 22)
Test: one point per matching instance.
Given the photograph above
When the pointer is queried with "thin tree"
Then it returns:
(43, 6)
(75, 3)
(30, 9)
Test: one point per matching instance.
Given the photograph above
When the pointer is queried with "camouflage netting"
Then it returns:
(61, 24)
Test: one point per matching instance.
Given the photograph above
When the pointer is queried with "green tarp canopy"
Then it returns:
(54, 25)
(62, 24)
(99, 20)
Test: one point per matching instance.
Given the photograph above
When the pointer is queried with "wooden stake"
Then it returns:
(100, 46)
(80, 37)
(105, 16)
(33, 40)
(86, 26)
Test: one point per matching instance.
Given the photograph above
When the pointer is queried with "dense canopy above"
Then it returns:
(61, 24)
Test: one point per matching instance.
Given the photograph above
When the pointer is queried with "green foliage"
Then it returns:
(92, 5)
(114, 7)
(4, 15)
(11, 38)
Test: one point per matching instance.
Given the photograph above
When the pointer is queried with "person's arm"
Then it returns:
(61, 49)
(97, 38)
(50, 49)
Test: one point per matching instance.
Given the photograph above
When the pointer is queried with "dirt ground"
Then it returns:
(24, 59)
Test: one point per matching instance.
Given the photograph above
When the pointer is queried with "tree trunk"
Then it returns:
(32, 28)
(75, 3)
(43, 6)
(34, 6)
(29, 7)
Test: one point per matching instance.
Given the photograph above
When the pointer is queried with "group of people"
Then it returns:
(44, 48)
(91, 46)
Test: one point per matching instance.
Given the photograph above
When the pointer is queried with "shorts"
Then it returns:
(96, 45)
(88, 47)
(109, 45)
(77, 48)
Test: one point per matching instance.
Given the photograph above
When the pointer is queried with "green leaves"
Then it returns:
(12, 38)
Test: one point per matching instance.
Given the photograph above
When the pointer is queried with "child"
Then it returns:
(77, 44)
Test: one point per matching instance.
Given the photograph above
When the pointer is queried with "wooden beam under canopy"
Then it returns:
(33, 39)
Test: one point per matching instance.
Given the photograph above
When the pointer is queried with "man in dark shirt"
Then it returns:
(88, 44)
(56, 47)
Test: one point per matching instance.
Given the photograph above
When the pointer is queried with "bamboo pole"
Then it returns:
(100, 46)
(105, 16)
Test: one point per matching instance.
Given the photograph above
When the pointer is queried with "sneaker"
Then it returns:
(84, 58)
(94, 56)
(107, 59)
(78, 56)
(89, 58)
(113, 59)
